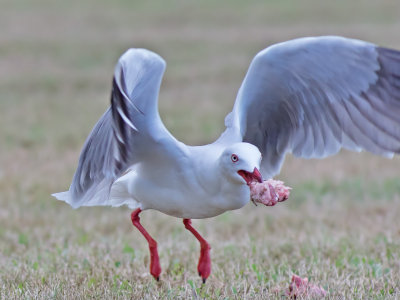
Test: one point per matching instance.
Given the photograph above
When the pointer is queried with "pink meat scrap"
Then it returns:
(269, 192)
(300, 287)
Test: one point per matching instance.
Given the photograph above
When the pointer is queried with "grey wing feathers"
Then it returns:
(99, 157)
(123, 133)
(313, 96)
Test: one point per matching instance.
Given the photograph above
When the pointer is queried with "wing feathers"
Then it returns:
(126, 130)
(313, 96)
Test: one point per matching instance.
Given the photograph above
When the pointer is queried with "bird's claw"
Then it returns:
(155, 268)
(204, 266)
(156, 277)
(203, 278)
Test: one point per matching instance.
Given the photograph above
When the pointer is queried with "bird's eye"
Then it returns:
(234, 158)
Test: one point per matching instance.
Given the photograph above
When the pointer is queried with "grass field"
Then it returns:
(340, 228)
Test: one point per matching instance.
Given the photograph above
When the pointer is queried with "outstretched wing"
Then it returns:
(130, 130)
(313, 96)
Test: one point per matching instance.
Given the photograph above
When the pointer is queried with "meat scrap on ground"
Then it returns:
(300, 287)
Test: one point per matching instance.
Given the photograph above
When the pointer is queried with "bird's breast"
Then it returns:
(183, 197)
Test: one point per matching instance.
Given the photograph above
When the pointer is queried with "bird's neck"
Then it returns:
(207, 172)
(222, 192)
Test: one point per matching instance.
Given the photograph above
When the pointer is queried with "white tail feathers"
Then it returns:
(66, 197)
(102, 195)
(119, 194)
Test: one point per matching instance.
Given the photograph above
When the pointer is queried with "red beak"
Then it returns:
(251, 177)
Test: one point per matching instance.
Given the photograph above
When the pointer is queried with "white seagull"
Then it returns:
(309, 97)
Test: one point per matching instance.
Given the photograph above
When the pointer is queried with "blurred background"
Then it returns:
(340, 227)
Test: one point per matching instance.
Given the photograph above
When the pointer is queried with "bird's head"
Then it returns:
(240, 163)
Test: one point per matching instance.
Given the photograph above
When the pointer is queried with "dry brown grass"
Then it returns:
(340, 227)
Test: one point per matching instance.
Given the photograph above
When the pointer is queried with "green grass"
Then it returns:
(340, 227)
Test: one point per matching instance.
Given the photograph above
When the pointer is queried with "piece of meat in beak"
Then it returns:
(268, 192)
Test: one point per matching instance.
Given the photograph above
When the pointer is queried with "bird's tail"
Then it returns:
(66, 197)
(104, 194)
(96, 195)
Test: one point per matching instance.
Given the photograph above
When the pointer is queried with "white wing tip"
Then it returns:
(134, 54)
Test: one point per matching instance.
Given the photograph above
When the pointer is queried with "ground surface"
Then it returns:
(340, 228)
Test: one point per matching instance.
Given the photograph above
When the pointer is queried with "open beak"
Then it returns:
(251, 177)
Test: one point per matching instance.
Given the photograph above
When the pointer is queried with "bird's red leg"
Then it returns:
(155, 268)
(204, 266)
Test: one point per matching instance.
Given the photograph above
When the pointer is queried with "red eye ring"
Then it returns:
(234, 158)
